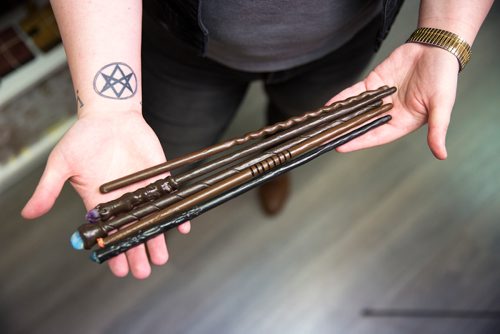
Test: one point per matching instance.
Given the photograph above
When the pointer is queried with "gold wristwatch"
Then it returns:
(445, 40)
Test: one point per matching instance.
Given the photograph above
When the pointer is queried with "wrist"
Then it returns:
(114, 87)
(111, 108)
(435, 58)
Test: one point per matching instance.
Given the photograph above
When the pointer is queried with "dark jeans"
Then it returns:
(189, 100)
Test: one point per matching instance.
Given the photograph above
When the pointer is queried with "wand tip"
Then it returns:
(100, 242)
(92, 216)
(76, 241)
(93, 257)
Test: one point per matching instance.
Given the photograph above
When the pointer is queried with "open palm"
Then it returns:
(426, 78)
(97, 149)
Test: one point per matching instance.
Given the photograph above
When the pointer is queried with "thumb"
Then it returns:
(55, 174)
(439, 119)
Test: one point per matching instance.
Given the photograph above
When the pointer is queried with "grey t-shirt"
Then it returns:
(272, 35)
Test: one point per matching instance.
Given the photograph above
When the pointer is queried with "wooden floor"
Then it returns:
(385, 229)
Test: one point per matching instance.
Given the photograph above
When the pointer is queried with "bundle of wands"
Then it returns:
(228, 170)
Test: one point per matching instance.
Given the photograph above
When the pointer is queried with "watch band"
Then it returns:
(445, 40)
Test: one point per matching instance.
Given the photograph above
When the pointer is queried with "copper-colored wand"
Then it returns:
(164, 186)
(239, 178)
(138, 215)
(90, 232)
(101, 255)
(210, 151)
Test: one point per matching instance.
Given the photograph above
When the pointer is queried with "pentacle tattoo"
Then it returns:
(115, 81)
(79, 100)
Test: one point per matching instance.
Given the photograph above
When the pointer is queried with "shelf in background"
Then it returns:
(24, 78)
(36, 101)
(31, 156)
(17, 86)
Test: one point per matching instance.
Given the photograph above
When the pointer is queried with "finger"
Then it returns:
(49, 187)
(439, 119)
(118, 265)
(184, 228)
(138, 262)
(157, 249)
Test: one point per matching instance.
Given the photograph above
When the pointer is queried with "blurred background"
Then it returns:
(387, 240)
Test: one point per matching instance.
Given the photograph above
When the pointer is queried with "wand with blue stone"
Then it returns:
(130, 207)
(138, 208)
(262, 175)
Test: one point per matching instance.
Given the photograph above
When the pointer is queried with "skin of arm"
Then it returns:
(102, 40)
(426, 77)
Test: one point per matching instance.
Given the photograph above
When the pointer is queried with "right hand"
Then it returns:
(99, 148)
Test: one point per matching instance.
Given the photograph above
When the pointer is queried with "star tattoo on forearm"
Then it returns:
(115, 81)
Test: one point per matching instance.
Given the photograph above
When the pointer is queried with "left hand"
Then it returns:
(426, 79)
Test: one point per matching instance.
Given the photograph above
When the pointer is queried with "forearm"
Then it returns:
(97, 36)
(462, 17)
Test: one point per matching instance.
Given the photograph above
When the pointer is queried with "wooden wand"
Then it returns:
(209, 151)
(90, 232)
(102, 255)
(239, 178)
(137, 215)
(160, 187)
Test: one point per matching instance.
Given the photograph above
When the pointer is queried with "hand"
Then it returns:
(426, 78)
(100, 148)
